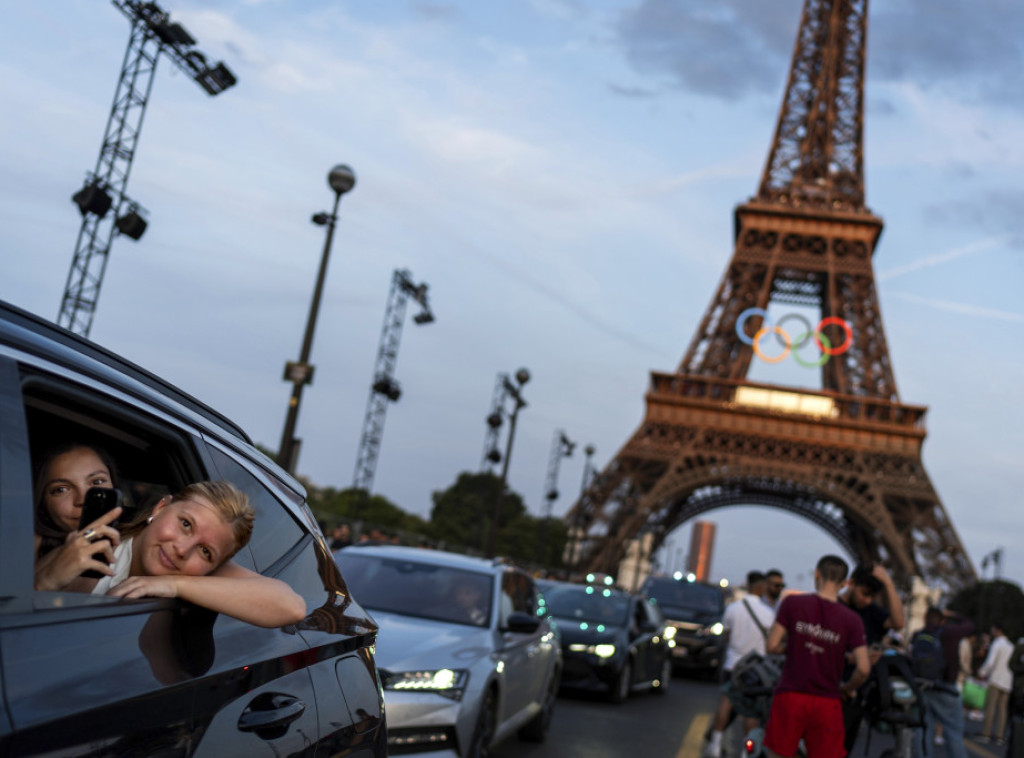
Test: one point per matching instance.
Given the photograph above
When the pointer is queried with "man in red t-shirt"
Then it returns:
(815, 632)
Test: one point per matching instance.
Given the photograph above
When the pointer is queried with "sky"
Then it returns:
(562, 175)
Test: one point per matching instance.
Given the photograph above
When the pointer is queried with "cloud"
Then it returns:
(940, 258)
(965, 309)
(725, 48)
(996, 210)
(733, 48)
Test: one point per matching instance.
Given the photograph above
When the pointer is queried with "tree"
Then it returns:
(463, 514)
(993, 601)
(352, 504)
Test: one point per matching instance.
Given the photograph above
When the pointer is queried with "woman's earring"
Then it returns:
(149, 520)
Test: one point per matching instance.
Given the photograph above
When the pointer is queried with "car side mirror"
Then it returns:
(522, 623)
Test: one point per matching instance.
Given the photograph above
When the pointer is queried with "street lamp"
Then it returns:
(515, 392)
(341, 179)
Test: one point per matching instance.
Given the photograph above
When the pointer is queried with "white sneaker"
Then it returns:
(712, 750)
(940, 740)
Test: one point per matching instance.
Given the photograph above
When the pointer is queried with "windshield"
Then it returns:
(422, 590)
(683, 594)
(596, 605)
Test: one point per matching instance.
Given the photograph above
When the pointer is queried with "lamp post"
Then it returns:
(341, 179)
(515, 392)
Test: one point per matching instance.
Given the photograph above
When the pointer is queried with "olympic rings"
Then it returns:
(790, 345)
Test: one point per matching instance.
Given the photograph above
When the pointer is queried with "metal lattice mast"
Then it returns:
(385, 387)
(561, 447)
(152, 33)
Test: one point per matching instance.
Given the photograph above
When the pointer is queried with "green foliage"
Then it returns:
(350, 504)
(463, 514)
(997, 601)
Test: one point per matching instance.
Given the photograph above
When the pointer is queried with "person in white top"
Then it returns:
(747, 622)
(996, 671)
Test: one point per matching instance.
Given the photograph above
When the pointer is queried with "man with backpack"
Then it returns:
(935, 660)
(747, 622)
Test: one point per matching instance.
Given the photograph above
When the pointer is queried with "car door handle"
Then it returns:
(269, 714)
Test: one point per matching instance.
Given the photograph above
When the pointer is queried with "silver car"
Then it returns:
(466, 653)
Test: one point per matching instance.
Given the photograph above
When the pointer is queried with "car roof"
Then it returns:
(429, 556)
(37, 336)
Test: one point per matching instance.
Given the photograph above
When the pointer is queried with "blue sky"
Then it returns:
(562, 174)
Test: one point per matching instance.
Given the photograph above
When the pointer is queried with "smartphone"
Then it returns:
(98, 500)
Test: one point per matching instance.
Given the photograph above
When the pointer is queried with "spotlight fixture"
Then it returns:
(93, 198)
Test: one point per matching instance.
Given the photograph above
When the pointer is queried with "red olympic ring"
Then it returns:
(834, 320)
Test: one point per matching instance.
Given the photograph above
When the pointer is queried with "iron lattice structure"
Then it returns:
(385, 387)
(105, 206)
(848, 457)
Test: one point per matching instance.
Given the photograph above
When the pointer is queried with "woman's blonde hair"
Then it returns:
(231, 504)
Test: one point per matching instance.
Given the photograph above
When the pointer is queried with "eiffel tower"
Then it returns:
(847, 457)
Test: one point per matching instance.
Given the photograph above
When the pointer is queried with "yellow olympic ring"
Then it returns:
(779, 331)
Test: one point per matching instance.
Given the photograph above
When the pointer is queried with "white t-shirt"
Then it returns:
(744, 634)
(122, 565)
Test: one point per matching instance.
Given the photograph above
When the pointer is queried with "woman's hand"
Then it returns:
(60, 567)
(148, 586)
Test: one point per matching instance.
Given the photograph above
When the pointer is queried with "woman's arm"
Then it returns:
(231, 589)
(61, 568)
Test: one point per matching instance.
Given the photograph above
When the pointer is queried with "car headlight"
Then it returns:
(448, 682)
(601, 651)
(715, 629)
(670, 633)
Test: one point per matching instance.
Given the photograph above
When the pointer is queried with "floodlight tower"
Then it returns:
(385, 388)
(152, 33)
(561, 447)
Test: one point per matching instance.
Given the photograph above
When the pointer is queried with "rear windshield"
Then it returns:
(422, 590)
(683, 594)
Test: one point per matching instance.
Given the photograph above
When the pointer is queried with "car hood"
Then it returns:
(405, 643)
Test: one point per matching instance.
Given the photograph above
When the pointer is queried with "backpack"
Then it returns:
(926, 656)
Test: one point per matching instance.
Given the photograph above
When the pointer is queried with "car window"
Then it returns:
(684, 594)
(589, 604)
(149, 457)
(411, 588)
(275, 531)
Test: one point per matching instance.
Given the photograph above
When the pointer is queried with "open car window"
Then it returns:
(152, 458)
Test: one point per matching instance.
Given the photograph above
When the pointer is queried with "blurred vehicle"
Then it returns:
(467, 655)
(612, 641)
(695, 610)
(92, 675)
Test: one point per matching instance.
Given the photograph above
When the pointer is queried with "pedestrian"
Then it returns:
(996, 671)
(746, 623)
(774, 585)
(341, 536)
(816, 632)
(867, 582)
(946, 631)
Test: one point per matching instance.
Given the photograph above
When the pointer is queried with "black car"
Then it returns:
(612, 641)
(95, 675)
(695, 610)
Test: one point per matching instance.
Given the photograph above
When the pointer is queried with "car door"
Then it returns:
(81, 673)
(330, 673)
(526, 664)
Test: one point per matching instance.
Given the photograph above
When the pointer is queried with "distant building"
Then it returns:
(702, 545)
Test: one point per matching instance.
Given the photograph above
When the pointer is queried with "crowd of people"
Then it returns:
(830, 646)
